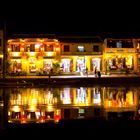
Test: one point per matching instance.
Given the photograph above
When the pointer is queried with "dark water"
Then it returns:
(53, 107)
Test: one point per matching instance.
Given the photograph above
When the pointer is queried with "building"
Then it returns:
(41, 54)
(119, 55)
(81, 52)
(32, 55)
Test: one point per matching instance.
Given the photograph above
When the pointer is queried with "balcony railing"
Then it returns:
(112, 50)
(81, 53)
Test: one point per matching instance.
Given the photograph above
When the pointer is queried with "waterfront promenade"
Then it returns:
(123, 79)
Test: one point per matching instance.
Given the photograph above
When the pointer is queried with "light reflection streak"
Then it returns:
(41, 105)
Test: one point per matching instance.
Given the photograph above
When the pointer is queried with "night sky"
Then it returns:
(67, 18)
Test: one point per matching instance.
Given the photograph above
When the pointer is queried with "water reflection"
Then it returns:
(40, 105)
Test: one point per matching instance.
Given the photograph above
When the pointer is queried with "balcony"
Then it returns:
(15, 54)
(113, 50)
(49, 54)
(80, 53)
(66, 53)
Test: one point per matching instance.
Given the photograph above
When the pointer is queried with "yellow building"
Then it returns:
(32, 56)
(79, 53)
(72, 54)
(119, 56)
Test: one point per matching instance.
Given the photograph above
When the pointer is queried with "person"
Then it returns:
(50, 73)
(99, 74)
(95, 71)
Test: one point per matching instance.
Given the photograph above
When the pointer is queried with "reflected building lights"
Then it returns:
(41, 105)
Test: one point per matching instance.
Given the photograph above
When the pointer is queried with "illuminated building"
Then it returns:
(32, 56)
(119, 56)
(79, 53)
(38, 54)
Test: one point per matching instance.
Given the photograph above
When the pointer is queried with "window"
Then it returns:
(81, 49)
(119, 43)
(37, 47)
(48, 48)
(128, 44)
(15, 48)
(32, 47)
(27, 48)
(111, 44)
(66, 48)
(96, 48)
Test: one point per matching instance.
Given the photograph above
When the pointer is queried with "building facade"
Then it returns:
(119, 55)
(40, 55)
(31, 56)
(81, 53)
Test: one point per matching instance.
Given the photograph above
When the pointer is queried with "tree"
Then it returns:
(56, 67)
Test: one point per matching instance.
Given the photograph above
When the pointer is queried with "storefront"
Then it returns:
(32, 64)
(96, 64)
(16, 65)
(47, 65)
(66, 65)
(120, 63)
(80, 64)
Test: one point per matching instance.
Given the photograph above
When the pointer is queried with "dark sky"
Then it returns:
(73, 18)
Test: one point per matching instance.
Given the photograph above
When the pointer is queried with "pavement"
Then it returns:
(77, 76)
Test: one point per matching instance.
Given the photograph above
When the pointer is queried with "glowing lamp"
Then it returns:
(16, 108)
(22, 44)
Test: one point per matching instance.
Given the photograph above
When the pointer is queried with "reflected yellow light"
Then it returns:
(25, 62)
(57, 112)
(9, 113)
(32, 108)
(129, 97)
(34, 101)
(16, 108)
(50, 108)
(8, 49)
(109, 103)
(10, 40)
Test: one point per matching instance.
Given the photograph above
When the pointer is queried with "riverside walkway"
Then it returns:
(121, 79)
